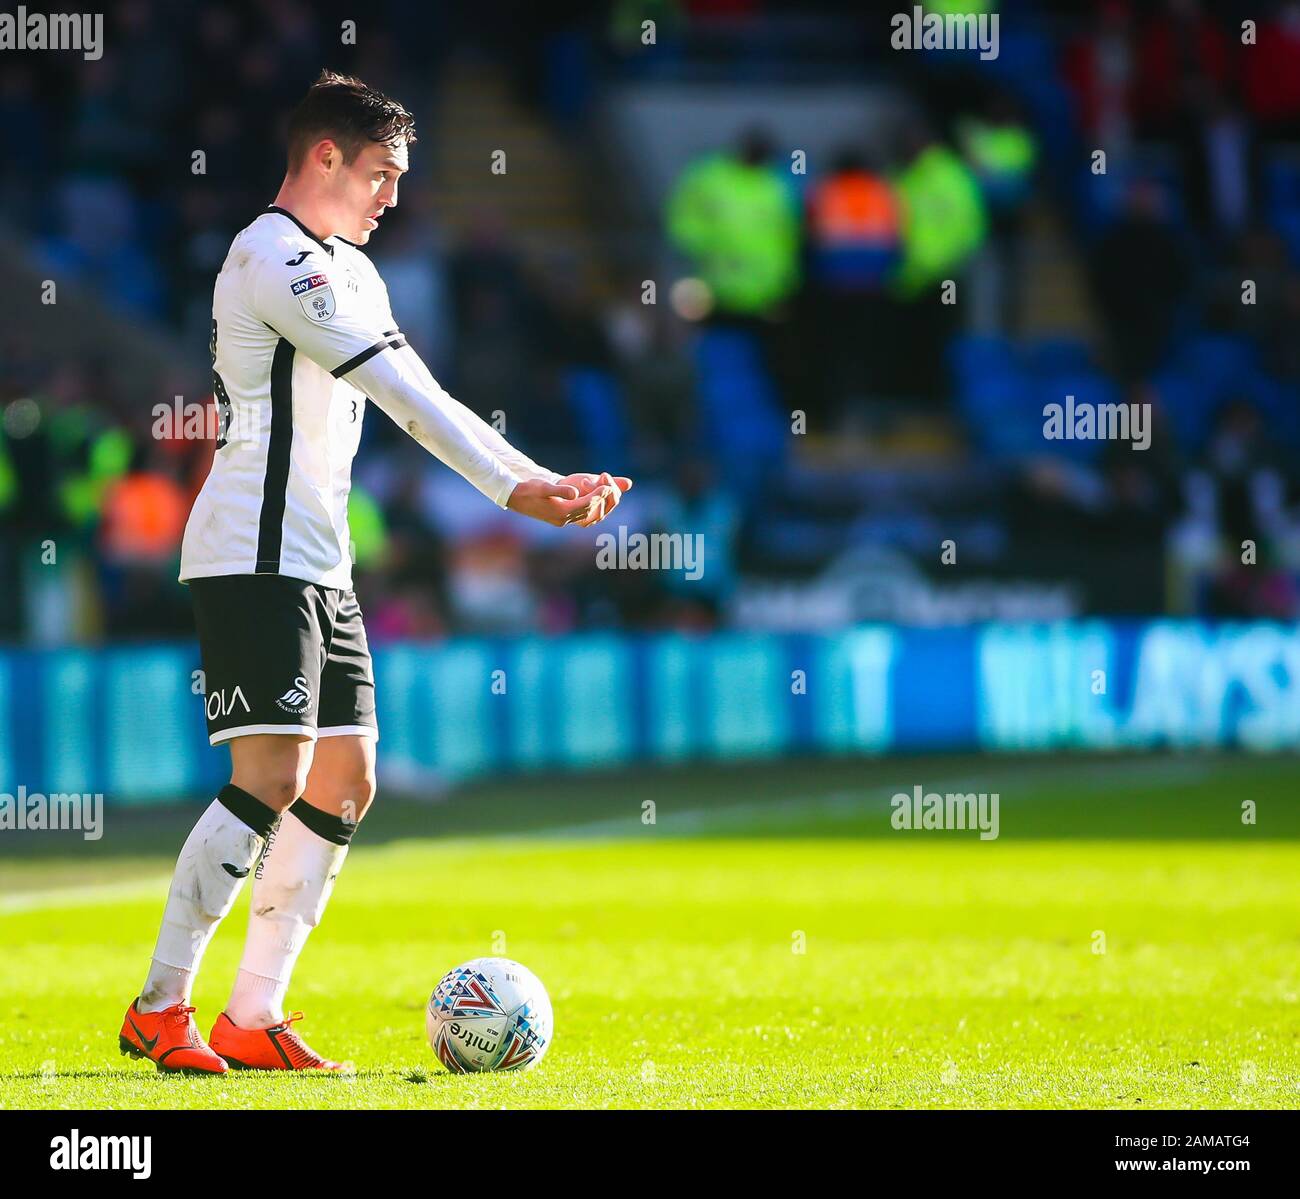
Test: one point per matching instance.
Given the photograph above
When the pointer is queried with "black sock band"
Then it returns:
(326, 826)
(248, 808)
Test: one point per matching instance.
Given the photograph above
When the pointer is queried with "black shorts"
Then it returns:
(282, 656)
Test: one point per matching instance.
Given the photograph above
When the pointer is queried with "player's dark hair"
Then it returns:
(345, 110)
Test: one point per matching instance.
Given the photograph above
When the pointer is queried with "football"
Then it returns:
(489, 1014)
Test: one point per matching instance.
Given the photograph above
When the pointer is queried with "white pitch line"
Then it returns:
(88, 896)
(693, 821)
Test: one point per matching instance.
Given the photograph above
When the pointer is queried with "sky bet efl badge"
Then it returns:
(315, 295)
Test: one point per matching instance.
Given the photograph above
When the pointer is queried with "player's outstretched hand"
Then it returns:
(581, 499)
(603, 491)
(554, 503)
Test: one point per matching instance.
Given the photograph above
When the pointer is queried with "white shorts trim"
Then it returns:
(302, 730)
(335, 580)
(349, 730)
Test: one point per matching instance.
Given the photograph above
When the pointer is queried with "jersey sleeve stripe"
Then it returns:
(270, 532)
(388, 343)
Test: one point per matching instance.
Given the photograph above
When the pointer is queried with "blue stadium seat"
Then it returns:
(1189, 402)
(1287, 222)
(972, 355)
(1001, 413)
(1088, 387)
(1282, 182)
(741, 421)
(1059, 354)
(1279, 405)
(1222, 360)
(597, 407)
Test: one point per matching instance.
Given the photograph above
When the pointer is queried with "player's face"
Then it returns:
(367, 186)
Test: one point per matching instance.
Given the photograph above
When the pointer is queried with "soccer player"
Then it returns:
(302, 337)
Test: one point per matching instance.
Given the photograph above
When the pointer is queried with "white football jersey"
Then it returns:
(302, 334)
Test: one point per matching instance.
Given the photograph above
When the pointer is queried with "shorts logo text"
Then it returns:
(218, 705)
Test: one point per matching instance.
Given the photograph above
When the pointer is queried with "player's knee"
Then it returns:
(355, 793)
(345, 782)
(281, 783)
(346, 798)
(273, 768)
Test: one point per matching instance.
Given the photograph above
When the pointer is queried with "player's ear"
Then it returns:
(328, 156)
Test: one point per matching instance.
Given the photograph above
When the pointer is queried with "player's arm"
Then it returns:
(515, 460)
(610, 486)
(598, 495)
(400, 383)
(518, 463)
(327, 324)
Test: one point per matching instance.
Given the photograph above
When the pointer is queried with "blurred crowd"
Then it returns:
(130, 175)
(825, 292)
(1151, 149)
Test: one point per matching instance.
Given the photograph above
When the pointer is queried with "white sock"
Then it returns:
(216, 857)
(292, 887)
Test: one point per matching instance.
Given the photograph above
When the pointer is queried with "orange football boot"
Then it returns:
(170, 1039)
(275, 1048)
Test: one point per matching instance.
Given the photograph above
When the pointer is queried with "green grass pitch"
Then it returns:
(768, 941)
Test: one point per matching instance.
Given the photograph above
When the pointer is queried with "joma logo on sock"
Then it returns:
(77, 1152)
